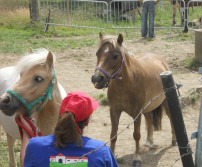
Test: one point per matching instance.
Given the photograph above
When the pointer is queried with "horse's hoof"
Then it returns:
(137, 163)
(145, 148)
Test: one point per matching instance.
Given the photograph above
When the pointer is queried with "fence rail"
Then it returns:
(102, 14)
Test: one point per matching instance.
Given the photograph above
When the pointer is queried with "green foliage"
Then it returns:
(192, 64)
(102, 98)
(193, 95)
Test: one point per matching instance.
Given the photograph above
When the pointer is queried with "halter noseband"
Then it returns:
(29, 106)
(113, 75)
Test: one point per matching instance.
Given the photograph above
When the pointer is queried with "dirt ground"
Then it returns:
(74, 69)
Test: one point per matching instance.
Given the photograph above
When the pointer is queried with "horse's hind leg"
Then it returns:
(115, 116)
(165, 104)
(11, 142)
(149, 143)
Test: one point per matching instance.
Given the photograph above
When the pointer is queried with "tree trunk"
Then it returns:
(198, 46)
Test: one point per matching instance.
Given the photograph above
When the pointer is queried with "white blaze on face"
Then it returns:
(105, 52)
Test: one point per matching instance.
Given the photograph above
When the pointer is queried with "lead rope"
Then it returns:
(35, 131)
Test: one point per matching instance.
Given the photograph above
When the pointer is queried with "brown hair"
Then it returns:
(68, 131)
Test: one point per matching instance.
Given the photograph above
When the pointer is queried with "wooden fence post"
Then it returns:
(177, 119)
(34, 10)
(198, 48)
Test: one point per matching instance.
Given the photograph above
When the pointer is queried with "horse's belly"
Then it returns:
(153, 103)
(9, 125)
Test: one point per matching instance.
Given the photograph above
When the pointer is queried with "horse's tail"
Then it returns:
(157, 115)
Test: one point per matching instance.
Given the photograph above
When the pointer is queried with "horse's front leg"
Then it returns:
(115, 116)
(11, 142)
(137, 162)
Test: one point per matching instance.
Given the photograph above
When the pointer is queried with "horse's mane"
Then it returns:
(108, 39)
(37, 56)
(112, 40)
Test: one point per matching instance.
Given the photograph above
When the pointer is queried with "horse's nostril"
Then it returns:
(98, 79)
(101, 79)
(6, 100)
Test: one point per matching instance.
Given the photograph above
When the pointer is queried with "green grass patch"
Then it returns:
(192, 64)
(17, 40)
(103, 99)
(18, 34)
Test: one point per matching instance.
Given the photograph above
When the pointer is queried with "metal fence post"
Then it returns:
(198, 155)
(177, 119)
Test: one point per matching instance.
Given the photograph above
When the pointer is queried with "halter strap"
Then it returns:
(113, 75)
(29, 106)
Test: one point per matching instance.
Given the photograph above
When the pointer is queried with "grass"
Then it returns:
(103, 99)
(192, 64)
(18, 34)
(16, 40)
(4, 156)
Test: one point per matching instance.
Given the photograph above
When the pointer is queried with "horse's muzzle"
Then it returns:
(100, 81)
(8, 104)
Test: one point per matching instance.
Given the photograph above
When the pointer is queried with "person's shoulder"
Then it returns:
(91, 143)
(41, 140)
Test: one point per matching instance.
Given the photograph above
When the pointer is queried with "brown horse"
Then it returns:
(34, 96)
(132, 84)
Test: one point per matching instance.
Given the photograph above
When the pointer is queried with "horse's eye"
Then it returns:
(38, 79)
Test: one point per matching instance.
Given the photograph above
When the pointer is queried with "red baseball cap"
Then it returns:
(80, 104)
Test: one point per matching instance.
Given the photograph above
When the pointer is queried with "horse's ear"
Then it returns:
(30, 50)
(101, 35)
(120, 39)
(49, 59)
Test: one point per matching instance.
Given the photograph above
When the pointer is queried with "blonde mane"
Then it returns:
(37, 56)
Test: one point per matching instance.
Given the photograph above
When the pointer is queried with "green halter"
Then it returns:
(29, 106)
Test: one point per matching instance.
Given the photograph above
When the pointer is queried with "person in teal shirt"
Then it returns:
(67, 146)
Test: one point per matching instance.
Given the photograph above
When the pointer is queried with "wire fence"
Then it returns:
(124, 14)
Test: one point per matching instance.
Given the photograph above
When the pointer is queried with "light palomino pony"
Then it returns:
(33, 94)
(132, 84)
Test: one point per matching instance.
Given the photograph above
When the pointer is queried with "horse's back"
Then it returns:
(151, 61)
